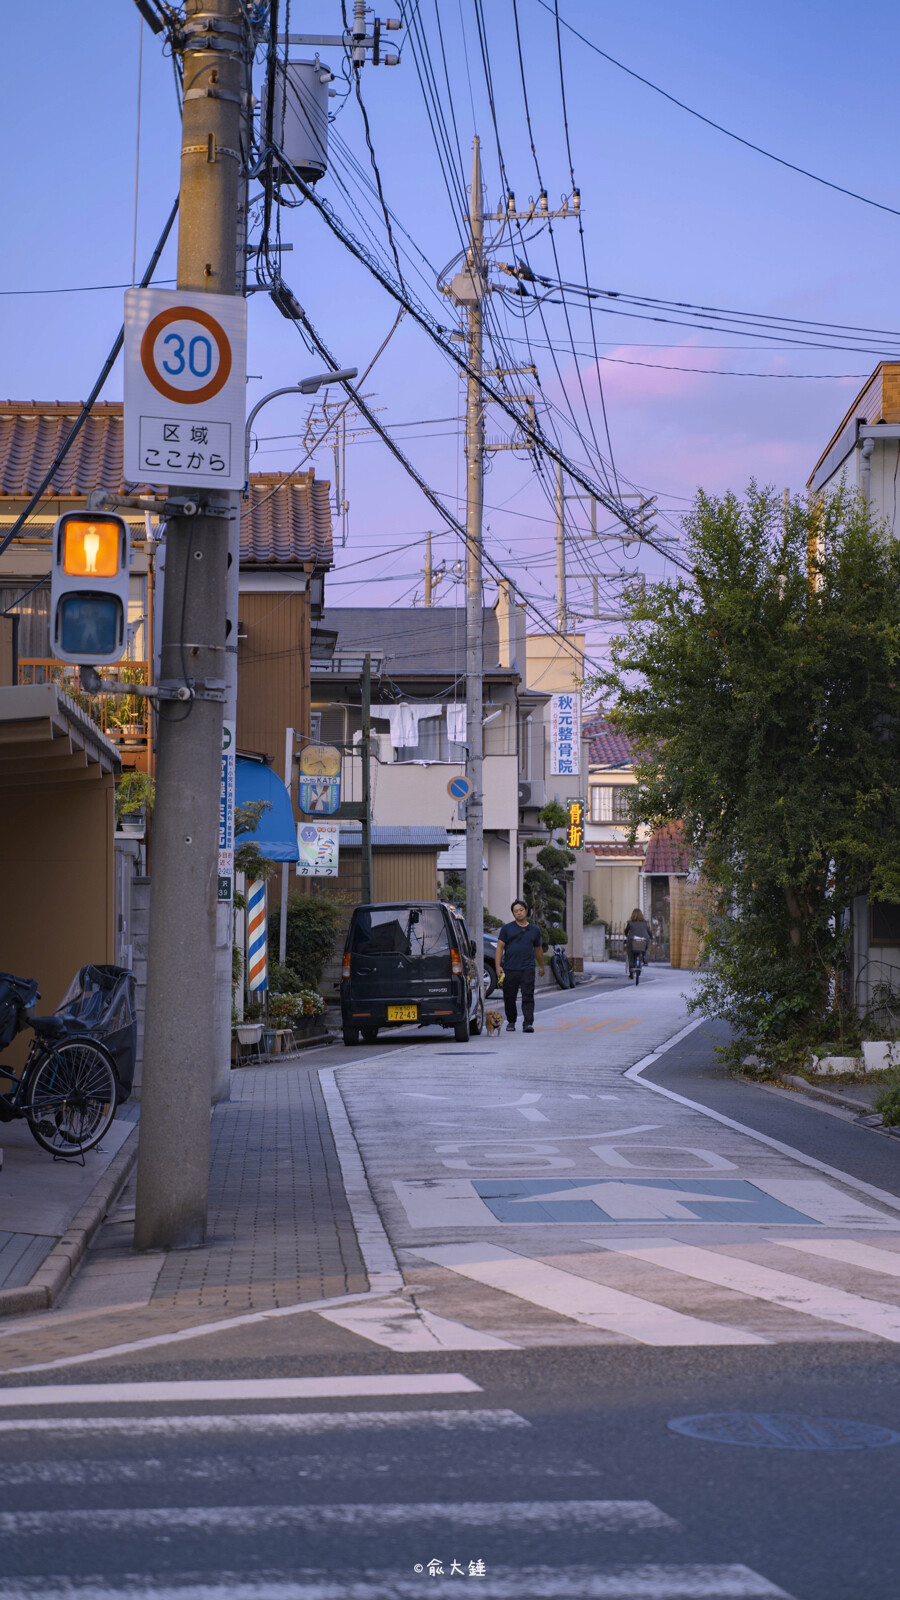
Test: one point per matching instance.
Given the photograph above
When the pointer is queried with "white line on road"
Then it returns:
(852, 1251)
(592, 1516)
(646, 1582)
(634, 1073)
(270, 1423)
(199, 1331)
(783, 1289)
(400, 1326)
(374, 1244)
(581, 1299)
(338, 1387)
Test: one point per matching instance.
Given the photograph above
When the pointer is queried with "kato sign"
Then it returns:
(185, 388)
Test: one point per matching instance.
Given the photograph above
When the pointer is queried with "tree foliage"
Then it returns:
(313, 922)
(762, 697)
(545, 882)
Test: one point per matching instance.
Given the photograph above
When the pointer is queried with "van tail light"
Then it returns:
(345, 965)
(456, 966)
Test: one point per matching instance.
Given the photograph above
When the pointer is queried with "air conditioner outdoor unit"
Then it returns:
(532, 793)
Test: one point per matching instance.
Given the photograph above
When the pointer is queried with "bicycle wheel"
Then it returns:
(71, 1096)
(560, 974)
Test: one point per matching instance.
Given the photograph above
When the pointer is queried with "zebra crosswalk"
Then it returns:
(198, 1521)
(655, 1291)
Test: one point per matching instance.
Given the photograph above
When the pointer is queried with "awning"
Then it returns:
(276, 835)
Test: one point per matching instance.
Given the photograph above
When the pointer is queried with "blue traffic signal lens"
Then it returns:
(90, 625)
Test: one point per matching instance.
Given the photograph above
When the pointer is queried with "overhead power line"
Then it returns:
(729, 133)
(435, 332)
(88, 406)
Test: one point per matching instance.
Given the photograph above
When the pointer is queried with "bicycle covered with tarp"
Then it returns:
(80, 1062)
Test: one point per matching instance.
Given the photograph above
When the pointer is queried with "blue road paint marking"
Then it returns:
(590, 1200)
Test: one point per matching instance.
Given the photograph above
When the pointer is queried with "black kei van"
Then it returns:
(410, 962)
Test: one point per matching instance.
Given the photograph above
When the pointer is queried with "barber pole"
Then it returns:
(257, 961)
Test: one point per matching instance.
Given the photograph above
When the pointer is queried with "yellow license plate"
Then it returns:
(403, 1013)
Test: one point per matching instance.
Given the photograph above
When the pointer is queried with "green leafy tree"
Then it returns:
(313, 923)
(763, 699)
(545, 881)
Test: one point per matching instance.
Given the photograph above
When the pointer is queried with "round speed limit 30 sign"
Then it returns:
(185, 382)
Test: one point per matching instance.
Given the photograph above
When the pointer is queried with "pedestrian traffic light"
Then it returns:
(89, 588)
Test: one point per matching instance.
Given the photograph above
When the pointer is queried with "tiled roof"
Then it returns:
(606, 747)
(666, 852)
(614, 847)
(32, 431)
(283, 523)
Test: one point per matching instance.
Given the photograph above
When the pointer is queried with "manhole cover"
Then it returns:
(784, 1431)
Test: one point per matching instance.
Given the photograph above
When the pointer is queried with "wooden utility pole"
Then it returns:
(180, 1047)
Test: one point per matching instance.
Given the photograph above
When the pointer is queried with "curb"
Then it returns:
(794, 1081)
(61, 1264)
(375, 1247)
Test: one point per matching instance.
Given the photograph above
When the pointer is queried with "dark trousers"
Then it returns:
(513, 984)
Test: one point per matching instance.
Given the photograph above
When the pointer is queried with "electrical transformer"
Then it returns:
(300, 121)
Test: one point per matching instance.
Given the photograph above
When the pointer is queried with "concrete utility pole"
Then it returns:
(429, 580)
(561, 603)
(474, 599)
(181, 1039)
(367, 874)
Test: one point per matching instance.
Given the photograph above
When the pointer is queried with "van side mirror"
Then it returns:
(473, 948)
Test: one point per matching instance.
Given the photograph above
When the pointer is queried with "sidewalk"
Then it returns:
(280, 1229)
(50, 1209)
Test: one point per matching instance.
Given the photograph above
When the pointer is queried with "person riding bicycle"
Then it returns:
(636, 928)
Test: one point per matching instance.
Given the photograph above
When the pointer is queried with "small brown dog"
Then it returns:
(493, 1021)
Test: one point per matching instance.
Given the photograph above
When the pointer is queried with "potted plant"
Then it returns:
(135, 793)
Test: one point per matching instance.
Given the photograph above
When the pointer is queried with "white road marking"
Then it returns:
(398, 1325)
(200, 1331)
(443, 1203)
(339, 1387)
(580, 1299)
(646, 1582)
(764, 1283)
(634, 1073)
(269, 1423)
(635, 1202)
(592, 1516)
(824, 1203)
(852, 1251)
(375, 1246)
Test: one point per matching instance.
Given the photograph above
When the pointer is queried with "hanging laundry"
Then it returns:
(456, 723)
(404, 720)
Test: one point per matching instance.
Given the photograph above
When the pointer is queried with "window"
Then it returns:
(610, 802)
(400, 930)
(34, 616)
(884, 922)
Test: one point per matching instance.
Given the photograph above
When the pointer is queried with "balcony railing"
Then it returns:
(125, 718)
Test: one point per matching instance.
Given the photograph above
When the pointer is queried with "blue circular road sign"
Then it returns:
(459, 788)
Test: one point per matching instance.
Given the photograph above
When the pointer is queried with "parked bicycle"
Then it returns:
(562, 968)
(68, 1089)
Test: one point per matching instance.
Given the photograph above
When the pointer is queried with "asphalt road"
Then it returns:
(553, 1470)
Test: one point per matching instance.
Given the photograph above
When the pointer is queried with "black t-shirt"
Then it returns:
(519, 945)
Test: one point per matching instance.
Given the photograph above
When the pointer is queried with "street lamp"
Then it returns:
(305, 386)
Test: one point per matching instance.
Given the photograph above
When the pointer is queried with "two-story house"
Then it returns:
(863, 453)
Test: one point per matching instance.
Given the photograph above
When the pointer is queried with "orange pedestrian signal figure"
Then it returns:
(89, 589)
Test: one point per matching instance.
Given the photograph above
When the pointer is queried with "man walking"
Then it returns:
(518, 945)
